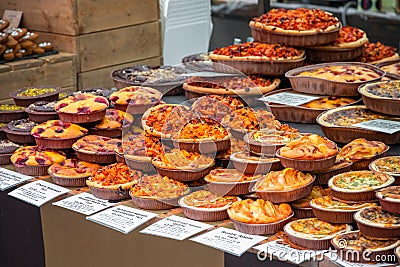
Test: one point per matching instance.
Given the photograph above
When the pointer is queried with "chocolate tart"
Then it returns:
(354, 247)
(389, 198)
(379, 224)
(11, 112)
(25, 101)
(20, 131)
(358, 185)
(246, 163)
(42, 111)
(320, 86)
(322, 176)
(389, 165)
(306, 165)
(7, 148)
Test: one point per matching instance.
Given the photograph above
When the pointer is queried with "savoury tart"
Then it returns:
(389, 198)
(113, 182)
(204, 205)
(253, 164)
(302, 208)
(378, 224)
(375, 53)
(42, 111)
(358, 185)
(389, 165)
(112, 123)
(19, 131)
(322, 176)
(313, 233)
(33, 160)
(72, 172)
(259, 216)
(96, 149)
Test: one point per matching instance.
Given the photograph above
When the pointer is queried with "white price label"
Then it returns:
(290, 99)
(122, 218)
(38, 192)
(9, 179)
(228, 240)
(84, 203)
(379, 125)
(176, 227)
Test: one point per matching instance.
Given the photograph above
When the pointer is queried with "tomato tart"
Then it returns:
(72, 172)
(375, 53)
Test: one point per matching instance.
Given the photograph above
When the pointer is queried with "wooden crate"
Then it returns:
(75, 17)
(53, 70)
(112, 47)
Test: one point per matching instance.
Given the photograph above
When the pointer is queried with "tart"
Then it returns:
(375, 53)
(389, 198)
(157, 192)
(284, 186)
(204, 205)
(202, 135)
(337, 125)
(302, 208)
(358, 185)
(355, 247)
(96, 149)
(297, 27)
(247, 163)
(11, 112)
(322, 176)
(253, 58)
(334, 211)
(230, 182)
(29, 95)
(259, 217)
(19, 131)
(236, 85)
(135, 99)
(308, 153)
(7, 148)
(113, 182)
(57, 134)
(165, 119)
(313, 233)
(362, 152)
(216, 107)
(34, 161)
(112, 123)
(183, 165)
(42, 111)
(378, 224)
(82, 108)
(389, 165)
(333, 79)
(392, 68)
(222, 159)
(383, 97)
(72, 172)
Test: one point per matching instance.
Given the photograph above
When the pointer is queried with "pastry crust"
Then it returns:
(73, 169)
(96, 144)
(361, 149)
(183, 160)
(377, 217)
(382, 90)
(135, 95)
(285, 180)
(206, 200)
(35, 156)
(57, 129)
(315, 229)
(82, 103)
(230, 176)
(360, 181)
(357, 242)
(349, 38)
(140, 147)
(329, 204)
(115, 119)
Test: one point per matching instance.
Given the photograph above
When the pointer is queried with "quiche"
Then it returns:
(296, 21)
(135, 95)
(393, 68)
(165, 119)
(329, 102)
(317, 192)
(230, 176)
(82, 103)
(202, 129)
(216, 106)
(36, 156)
(361, 149)
(259, 211)
(204, 199)
(328, 203)
(389, 165)
(285, 180)
(375, 53)
(382, 90)
(57, 129)
(309, 147)
(349, 37)
(183, 160)
(358, 181)
(314, 229)
(73, 168)
(391, 192)
(377, 217)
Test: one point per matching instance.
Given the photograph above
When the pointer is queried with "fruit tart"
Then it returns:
(389, 198)
(284, 186)
(33, 160)
(19, 131)
(96, 149)
(135, 99)
(112, 123)
(72, 172)
(259, 217)
(216, 107)
(113, 182)
(375, 53)
(11, 112)
(57, 134)
(157, 192)
(29, 95)
(302, 208)
(42, 111)
(204, 205)
(82, 108)
(392, 68)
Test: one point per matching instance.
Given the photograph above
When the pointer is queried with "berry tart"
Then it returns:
(42, 111)
(29, 95)
(112, 123)
(19, 131)
(96, 149)
(72, 172)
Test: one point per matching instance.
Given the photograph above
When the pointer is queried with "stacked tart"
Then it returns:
(72, 172)
(112, 123)
(375, 53)
(42, 111)
(96, 149)
(29, 95)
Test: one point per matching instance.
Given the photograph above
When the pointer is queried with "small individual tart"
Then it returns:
(334, 211)
(216, 106)
(33, 160)
(358, 185)
(354, 247)
(112, 123)
(230, 182)
(10, 112)
(57, 134)
(302, 208)
(253, 164)
(375, 53)
(157, 192)
(259, 216)
(29, 95)
(389, 165)
(113, 182)
(389, 198)
(284, 186)
(42, 111)
(204, 205)
(72, 172)
(7, 148)
(135, 98)
(82, 108)
(96, 149)
(313, 233)
(165, 119)
(376, 223)
(19, 131)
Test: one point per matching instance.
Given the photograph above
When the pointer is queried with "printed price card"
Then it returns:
(10, 179)
(290, 99)
(84, 203)
(38, 192)
(379, 125)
